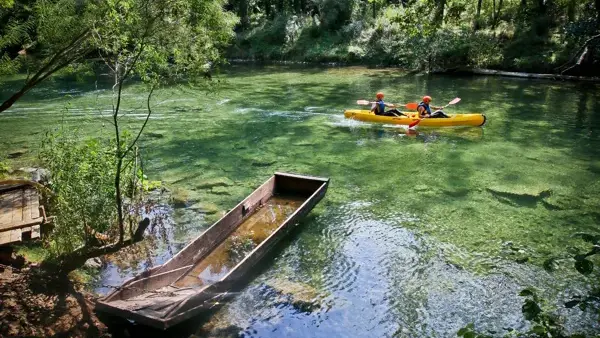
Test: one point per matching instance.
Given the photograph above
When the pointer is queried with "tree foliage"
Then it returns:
(158, 42)
(534, 36)
(83, 200)
(176, 38)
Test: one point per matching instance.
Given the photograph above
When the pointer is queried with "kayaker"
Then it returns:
(379, 107)
(424, 109)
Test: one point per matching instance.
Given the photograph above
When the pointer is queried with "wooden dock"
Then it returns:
(21, 214)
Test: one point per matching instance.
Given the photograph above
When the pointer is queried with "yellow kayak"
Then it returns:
(453, 120)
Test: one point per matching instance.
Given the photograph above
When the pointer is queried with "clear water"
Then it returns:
(420, 232)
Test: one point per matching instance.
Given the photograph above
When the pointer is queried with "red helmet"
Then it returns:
(379, 95)
(426, 99)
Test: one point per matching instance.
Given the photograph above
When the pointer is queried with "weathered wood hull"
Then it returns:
(157, 297)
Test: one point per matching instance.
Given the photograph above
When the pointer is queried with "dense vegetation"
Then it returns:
(97, 183)
(546, 36)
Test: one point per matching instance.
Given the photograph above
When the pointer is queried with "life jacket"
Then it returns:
(380, 107)
(426, 106)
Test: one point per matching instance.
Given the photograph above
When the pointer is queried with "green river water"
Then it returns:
(418, 235)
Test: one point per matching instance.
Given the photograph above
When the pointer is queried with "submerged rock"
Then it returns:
(156, 134)
(522, 197)
(301, 296)
(205, 207)
(304, 144)
(180, 198)
(17, 153)
(220, 191)
(93, 263)
(420, 187)
(265, 163)
(215, 182)
(36, 174)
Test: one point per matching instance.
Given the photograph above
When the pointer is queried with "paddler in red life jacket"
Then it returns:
(379, 107)
(425, 110)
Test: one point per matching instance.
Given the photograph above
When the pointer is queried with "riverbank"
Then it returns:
(457, 71)
(523, 41)
(32, 306)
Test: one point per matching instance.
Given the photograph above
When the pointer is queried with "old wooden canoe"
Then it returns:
(203, 272)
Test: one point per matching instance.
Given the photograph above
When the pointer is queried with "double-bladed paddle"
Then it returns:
(455, 101)
(409, 106)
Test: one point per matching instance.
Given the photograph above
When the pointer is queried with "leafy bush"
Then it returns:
(83, 181)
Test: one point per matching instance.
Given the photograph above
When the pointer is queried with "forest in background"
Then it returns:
(536, 36)
(541, 36)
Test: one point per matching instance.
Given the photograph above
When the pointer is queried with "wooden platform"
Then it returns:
(21, 214)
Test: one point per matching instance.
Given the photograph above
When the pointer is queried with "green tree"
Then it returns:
(6, 3)
(51, 36)
(160, 42)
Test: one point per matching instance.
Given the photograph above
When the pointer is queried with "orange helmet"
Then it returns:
(426, 99)
(380, 95)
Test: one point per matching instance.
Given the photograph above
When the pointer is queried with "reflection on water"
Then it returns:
(411, 238)
(251, 233)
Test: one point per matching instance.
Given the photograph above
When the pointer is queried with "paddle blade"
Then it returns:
(363, 102)
(455, 101)
(414, 123)
(412, 106)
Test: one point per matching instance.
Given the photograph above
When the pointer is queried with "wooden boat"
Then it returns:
(202, 273)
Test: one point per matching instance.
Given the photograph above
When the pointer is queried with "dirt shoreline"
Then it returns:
(32, 306)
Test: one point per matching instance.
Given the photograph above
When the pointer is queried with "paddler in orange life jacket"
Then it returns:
(379, 107)
(425, 110)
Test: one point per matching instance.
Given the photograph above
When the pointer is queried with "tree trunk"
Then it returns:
(497, 14)
(571, 10)
(243, 11)
(598, 13)
(60, 60)
(438, 18)
(280, 7)
(268, 8)
(477, 15)
(68, 262)
(302, 6)
(14, 98)
(374, 10)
